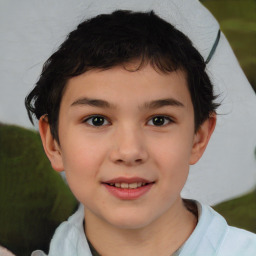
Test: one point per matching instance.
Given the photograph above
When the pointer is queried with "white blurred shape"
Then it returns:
(32, 30)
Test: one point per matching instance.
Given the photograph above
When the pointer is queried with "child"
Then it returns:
(125, 107)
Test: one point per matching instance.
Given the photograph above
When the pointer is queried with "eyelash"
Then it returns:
(104, 119)
(166, 118)
(90, 118)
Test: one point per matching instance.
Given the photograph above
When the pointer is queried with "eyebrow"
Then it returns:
(162, 103)
(93, 102)
(148, 105)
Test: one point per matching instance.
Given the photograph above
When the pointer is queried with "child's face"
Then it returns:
(117, 126)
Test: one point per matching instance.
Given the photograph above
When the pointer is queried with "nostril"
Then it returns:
(135, 161)
(128, 156)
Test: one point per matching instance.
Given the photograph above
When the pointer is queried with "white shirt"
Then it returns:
(211, 237)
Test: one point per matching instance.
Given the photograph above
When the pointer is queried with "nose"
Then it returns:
(129, 147)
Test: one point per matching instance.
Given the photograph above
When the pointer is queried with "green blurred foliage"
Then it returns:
(240, 212)
(34, 199)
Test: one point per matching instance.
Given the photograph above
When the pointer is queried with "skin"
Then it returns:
(129, 144)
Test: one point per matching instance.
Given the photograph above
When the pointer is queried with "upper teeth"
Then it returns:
(128, 185)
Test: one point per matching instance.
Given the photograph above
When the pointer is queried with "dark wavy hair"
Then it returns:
(110, 40)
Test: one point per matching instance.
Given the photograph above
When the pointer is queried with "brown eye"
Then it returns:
(96, 121)
(159, 121)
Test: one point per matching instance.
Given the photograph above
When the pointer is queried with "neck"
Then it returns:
(162, 237)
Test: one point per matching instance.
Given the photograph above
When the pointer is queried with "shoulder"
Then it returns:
(213, 236)
(228, 240)
(69, 238)
(238, 242)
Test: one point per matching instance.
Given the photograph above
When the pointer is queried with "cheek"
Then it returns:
(79, 158)
(173, 150)
(81, 151)
(82, 161)
(172, 159)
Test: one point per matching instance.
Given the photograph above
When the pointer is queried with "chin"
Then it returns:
(134, 220)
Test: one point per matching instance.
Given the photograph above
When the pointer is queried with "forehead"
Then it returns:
(121, 85)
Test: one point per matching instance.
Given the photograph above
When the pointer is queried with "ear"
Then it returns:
(202, 138)
(51, 146)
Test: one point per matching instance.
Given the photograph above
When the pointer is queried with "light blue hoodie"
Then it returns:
(211, 237)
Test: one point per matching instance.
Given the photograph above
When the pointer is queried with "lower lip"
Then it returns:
(128, 193)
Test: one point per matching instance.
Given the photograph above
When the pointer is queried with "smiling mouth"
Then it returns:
(133, 185)
(125, 188)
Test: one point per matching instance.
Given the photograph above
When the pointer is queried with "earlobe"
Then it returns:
(51, 147)
(202, 138)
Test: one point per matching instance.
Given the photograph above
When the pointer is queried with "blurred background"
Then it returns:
(237, 20)
(32, 195)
